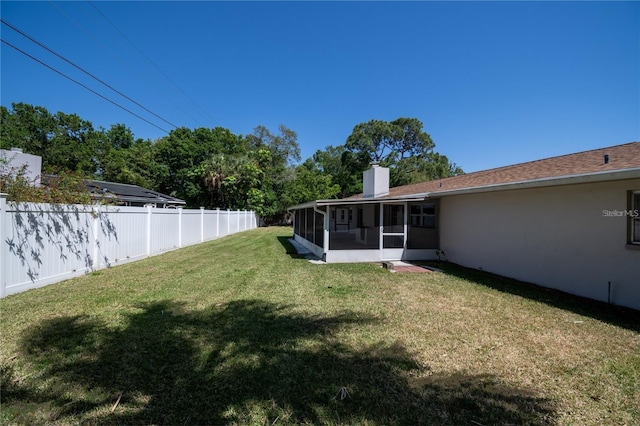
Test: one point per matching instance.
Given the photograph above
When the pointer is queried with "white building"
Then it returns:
(570, 222)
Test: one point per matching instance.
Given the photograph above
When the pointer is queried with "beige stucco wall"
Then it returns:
(556, 237)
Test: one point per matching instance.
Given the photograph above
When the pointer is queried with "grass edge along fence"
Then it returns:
(42, 244)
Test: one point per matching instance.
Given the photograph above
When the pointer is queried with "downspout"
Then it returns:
(325, 230)
(293, 221)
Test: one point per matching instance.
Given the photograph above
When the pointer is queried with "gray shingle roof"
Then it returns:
(620, 157)
(128, 193)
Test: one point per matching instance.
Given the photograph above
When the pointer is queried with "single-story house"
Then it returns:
(15, 161)
(570, 222)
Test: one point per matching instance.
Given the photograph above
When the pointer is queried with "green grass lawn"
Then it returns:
(239, 331)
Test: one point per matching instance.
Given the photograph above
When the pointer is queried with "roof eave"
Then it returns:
(127, 198)
(610, 175)
(350, 201)
(307, 205)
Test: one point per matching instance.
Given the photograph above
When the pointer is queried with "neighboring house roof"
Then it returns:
(622, 162)
(121, 192)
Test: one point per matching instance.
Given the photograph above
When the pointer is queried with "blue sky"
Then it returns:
(495, 83)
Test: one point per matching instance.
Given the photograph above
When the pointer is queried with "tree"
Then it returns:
(124, 159)
(27, 127)
(309, 184)
(234, 181)
(372, 138)
(119, 136)
(65, 142)
(180, 156)
(71, 147)
(390, 141)
(345, 168)
(402, 146)
(414, 169)
(65, 188)
(279, 172)
(283, 147)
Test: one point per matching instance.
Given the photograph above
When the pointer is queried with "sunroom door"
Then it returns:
(394, 231)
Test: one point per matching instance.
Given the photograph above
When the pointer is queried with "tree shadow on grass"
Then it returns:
(246, 362)
(615, 315)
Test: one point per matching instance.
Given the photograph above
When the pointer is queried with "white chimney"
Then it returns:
(375, 181)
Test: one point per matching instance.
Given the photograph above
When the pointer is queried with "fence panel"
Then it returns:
(121, 235)
(41, 244)
(164, 230)
(211, 224)
(45, 242)
(224, 223)
(233, 222)
(191, 224)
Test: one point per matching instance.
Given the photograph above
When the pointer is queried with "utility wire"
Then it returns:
(115, 55)
(84, 71)
(80, 84)
(151, 62)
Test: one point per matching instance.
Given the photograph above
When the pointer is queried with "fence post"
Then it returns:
(217, 222)
(149, 230)
(4, 217)
(228, 221)
(201, 224)
(96, 211)
(179, 226)
(238, 217)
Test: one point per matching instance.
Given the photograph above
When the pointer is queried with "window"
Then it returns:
(342, 216)
(634, 217)
(422, 230)
(423, 215)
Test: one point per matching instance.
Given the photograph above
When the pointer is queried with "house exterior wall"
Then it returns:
(13, 161)
(556, 237)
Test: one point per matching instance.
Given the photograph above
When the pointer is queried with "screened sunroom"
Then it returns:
(371, 228)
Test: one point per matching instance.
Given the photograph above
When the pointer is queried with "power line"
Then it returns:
(84, 71)
(151, 62)
(82, 85)
(120, 59)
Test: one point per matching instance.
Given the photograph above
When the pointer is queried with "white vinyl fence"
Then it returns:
(41, 244)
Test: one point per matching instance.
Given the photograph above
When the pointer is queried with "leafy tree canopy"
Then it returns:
(309, 184)
(391, 141)
(213, 167)
(402, 146)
